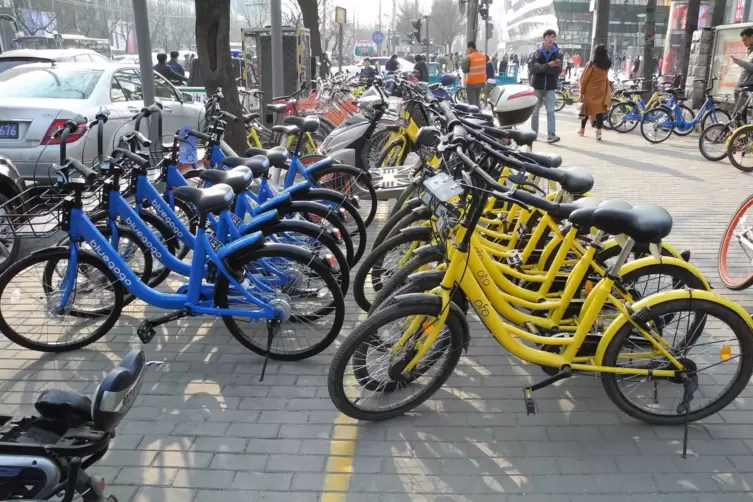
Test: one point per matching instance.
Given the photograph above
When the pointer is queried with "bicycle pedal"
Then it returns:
(514, 260)
(530, 403)
(146, 331)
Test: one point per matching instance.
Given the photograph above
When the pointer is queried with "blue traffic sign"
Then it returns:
(377, 37)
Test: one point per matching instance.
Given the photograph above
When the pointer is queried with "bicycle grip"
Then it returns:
(533, 200)
(141, 161)
(85, 171)
(229, 116)
(199, 135)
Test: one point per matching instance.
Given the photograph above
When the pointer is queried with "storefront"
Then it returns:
(678, 13)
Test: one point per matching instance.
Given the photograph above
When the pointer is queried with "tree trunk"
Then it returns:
(213, 49)
(691, 24)
(310, 15)
(648, 45)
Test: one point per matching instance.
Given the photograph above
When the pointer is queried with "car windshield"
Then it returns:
(56, 83)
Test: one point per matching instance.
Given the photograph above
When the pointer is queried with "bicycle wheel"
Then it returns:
(394, 220)
(381, 263)
(735, 263)
(740, 149)
(298, 283)
(29, 302)
(372, 150)
(559, 101)
(725, 355)
(713, 142)
(364, 380)
(394, 153)
(687, 118)
(408, 193)
(715, 116)
(460, 96)
(657, 124)
(622, 116)
(352, 182)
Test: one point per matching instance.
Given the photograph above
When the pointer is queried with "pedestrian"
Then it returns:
(474, 68)
(166, 71)
(636, 67)
(495, 64)
(544, 66)
(175, 65)
(746, 65)
(503, 65)
(325, 66)
(661, 62)
(392, 65)
(491, 80)
(450, 63)
(422, 69)
(595, 90)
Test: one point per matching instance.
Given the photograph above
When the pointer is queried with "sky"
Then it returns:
(368, 10)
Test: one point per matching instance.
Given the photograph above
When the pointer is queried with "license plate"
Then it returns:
(8, 130)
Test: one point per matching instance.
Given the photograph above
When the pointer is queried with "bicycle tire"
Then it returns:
(371, 266)
(56, 255)
(746, 131)
(722, 268)
(657, 114)
(687, 117)
(400, 145)
(733, 320)
(393, 220)
(719, 113)
(416, 282)
(406, 195)
(364, 333)
(559, 101)
(616, 126)
(366, 192)
(372, 149)
(715, 134)
(239, 259)
(416, 218)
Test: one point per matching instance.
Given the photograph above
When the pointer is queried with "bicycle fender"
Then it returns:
(653, 300)
(423, 211)
(50, 250)
(345, 156)
(428, 250)
(436, 301)
(666, 260)
(390, 127)
(418, 233)
(302, 205)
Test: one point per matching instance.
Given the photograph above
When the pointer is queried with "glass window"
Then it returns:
(82, 58)
(98, 59)
(126, 86)
(58, 83)
(163, 90)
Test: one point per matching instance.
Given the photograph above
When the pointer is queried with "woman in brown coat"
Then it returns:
(595, 90)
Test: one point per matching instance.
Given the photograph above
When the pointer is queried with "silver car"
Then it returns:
(37, 99)
(11, 59)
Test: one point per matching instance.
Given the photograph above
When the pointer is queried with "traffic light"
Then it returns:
(483, 11)
(489, 29)
(417, 27)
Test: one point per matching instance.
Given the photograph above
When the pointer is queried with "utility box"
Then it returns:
(257, 59)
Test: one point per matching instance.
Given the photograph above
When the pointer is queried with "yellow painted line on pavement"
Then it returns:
(342, 449)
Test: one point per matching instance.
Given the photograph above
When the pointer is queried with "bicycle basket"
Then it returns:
(417, 113)
(437, 193)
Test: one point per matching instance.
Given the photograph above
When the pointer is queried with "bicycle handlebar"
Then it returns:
(85, 171)
(199, 135)
(141, 161)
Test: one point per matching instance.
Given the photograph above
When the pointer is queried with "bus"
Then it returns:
(58, 41)
(365, 49)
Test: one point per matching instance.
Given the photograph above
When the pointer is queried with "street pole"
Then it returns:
(486, 37)
(471, 21)
(379, 28)
(600, 33)
(144, 43)
(648, 45)
(340, 45)
(716, 14)
(691, 24)
(324, 22)
(275, 18)
(426, 40)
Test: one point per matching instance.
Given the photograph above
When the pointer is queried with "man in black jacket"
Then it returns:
(164, 69)
(544, 67)
(421, 68)
(392, 65)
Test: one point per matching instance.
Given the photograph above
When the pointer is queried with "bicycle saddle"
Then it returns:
(277, 108)
(466, 108)
(257, 164)
(643, 223)
(277, 156)
(543, 159)
(238, 178)
(582, 216)
(118, 391)
(286, 129)
(250, 117)
(305, 124)
(206, 200)
(566, 209)
(576, 181)
(65, 406)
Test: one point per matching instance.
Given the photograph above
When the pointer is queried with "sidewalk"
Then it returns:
(206, 430)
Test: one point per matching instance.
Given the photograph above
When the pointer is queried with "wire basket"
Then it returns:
(37, 212)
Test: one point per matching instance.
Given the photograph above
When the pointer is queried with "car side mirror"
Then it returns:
(187, 98)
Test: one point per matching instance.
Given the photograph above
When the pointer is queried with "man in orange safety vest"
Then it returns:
(474, 67)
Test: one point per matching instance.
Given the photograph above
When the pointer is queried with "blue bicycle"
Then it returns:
(659, 122)
(278, 300)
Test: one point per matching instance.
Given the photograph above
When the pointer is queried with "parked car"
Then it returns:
(36, 100)
(11, 59)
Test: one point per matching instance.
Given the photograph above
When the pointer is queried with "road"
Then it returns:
(206, 429)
